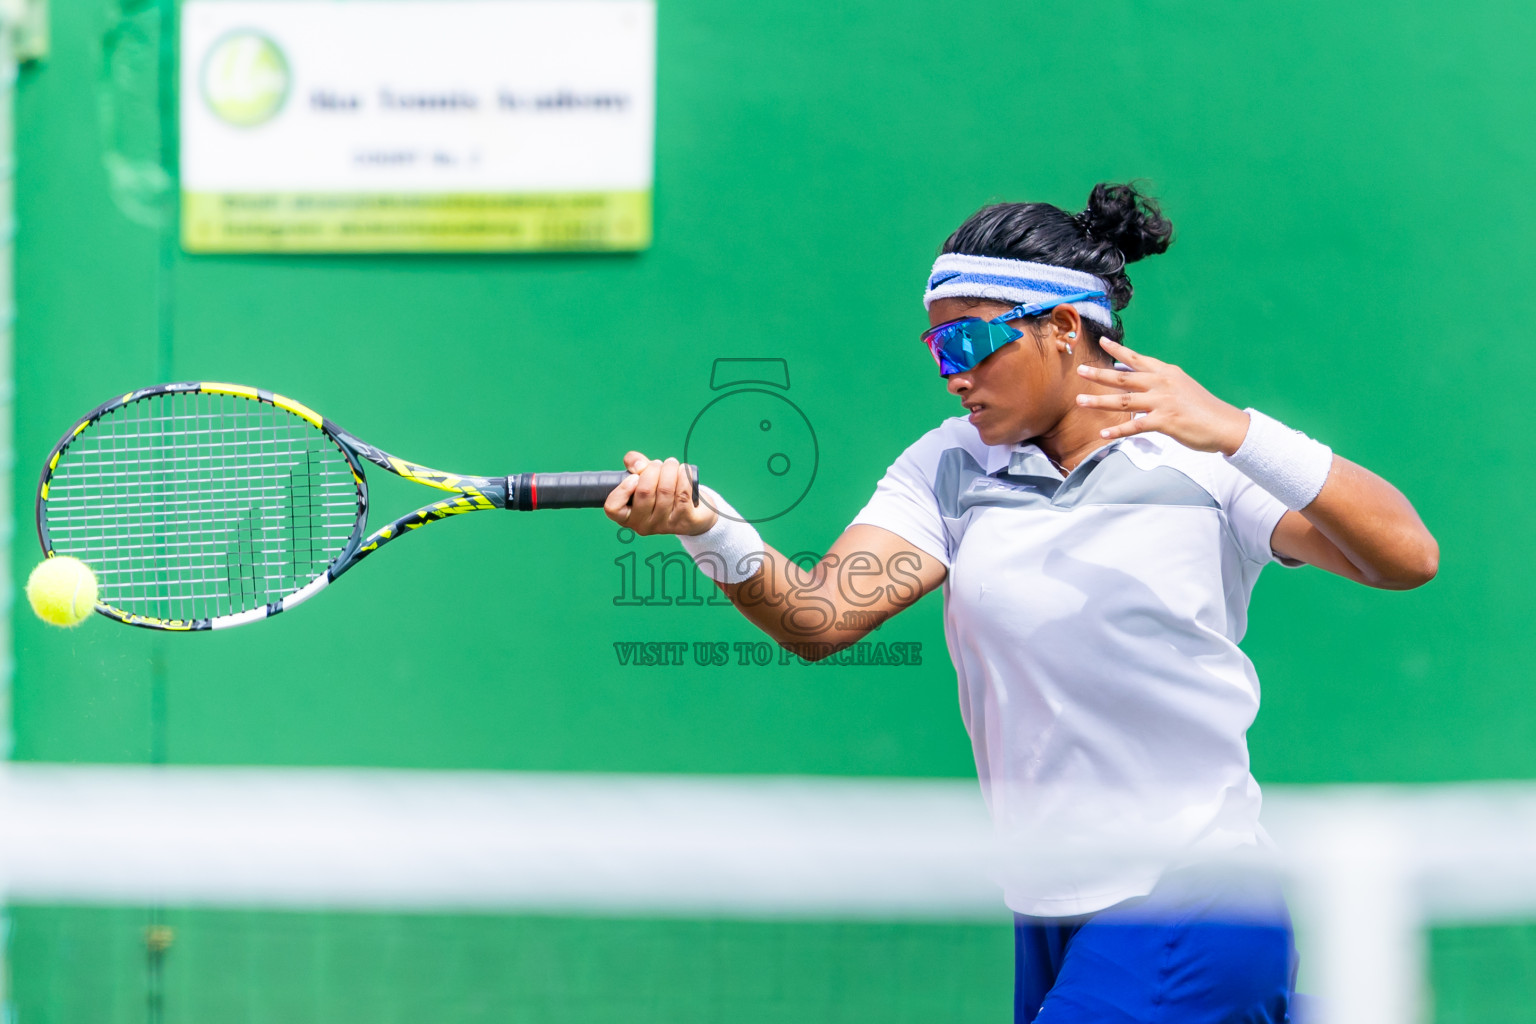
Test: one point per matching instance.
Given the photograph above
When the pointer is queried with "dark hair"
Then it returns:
(1120, 226)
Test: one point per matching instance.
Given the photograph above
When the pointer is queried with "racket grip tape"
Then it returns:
(530, 492)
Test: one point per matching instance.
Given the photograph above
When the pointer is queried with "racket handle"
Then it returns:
(529, 492)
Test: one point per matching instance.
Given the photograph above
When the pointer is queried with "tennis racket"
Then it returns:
(201, 506)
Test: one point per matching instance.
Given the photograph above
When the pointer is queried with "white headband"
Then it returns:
(957, 276)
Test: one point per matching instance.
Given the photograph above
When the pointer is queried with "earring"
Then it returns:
(1071, 334)
(1069, 348)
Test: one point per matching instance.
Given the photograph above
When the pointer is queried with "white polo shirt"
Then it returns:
(1094, 625)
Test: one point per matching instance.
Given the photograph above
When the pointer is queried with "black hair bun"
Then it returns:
(1132, 222)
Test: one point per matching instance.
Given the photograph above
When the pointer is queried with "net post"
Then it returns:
(1356, 894)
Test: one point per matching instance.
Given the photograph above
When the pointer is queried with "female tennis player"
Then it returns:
(1097, 520)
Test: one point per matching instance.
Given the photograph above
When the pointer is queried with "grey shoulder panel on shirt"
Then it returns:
(1116, 480)
(1109, 479)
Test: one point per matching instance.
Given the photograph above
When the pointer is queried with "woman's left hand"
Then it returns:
(1174, 402)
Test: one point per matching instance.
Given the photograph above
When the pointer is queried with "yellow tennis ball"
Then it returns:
(62, 590)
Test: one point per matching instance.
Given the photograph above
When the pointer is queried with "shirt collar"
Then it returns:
(1029, 460)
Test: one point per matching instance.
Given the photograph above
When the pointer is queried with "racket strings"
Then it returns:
(192, 505)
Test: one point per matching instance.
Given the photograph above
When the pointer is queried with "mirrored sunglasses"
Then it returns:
(960, 344)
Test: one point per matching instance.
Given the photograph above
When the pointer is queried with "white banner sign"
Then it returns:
(417, 125)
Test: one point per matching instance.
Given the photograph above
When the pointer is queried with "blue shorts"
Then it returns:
(1196, 951)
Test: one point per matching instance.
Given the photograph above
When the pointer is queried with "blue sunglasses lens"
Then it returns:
(960, 344)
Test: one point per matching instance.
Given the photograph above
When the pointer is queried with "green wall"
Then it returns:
(1350, 187)
(87, 965)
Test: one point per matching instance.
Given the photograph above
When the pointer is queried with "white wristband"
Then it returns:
(1285, 462)
(728, 552)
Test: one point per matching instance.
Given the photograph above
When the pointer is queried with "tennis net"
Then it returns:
(340, 895)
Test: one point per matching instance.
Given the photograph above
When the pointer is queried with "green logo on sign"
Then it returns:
(245, 79)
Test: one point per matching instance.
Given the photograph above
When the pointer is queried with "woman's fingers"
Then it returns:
(616, 507)
(684, 487)
(656, 497)
(1140, 425)
(643, 502)
(1129, 357)
(666, 487)
(1129, 381)
(1123, 402)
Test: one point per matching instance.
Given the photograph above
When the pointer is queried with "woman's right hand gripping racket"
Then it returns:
(202, 505)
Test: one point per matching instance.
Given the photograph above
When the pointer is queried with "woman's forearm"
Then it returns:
(868, 576)
(1371, 525)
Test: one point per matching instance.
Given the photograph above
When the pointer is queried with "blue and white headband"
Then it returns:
(957, 276)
